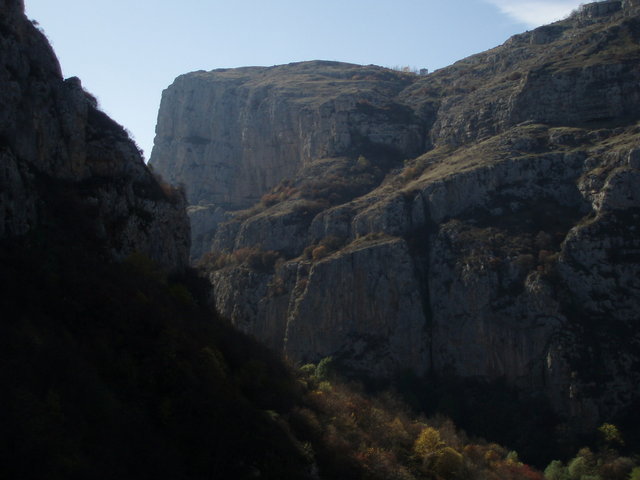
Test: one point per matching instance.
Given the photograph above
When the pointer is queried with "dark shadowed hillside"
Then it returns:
(112, 366)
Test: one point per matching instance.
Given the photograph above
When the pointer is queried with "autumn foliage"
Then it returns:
(377, 437)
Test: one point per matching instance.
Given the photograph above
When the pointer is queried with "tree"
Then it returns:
(325, 369)
(611, 435)
(428, 442)
(556, 471)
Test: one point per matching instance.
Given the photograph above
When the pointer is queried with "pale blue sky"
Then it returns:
(127, 51)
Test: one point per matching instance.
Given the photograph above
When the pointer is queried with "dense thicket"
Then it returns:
(119, 370)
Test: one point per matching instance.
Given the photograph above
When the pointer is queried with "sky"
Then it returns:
(127, 51)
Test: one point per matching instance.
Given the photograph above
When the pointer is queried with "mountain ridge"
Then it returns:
(464, 222)
(54, 138)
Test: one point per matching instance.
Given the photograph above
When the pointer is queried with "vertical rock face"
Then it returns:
(232, 135)
(375, 315)
(503, 247)
(61, 156)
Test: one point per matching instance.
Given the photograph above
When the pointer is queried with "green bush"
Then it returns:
(449, 464)
(556, 471)
(326, 369)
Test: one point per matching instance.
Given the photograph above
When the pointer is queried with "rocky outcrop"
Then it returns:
(375, 314)
(59, 152)
(503, 247)
(560, 74)
(232, 135)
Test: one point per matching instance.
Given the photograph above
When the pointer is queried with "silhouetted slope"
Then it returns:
(116, 371)
(111, 366)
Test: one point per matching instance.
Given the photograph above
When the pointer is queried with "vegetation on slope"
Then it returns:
(118, 371)
(123, 371)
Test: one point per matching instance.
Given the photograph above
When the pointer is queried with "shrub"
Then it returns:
(556, 471)
(308, 370)
(515, 76)
(319, 252)
(610, 434)
(382, 464)
(253, 257)
(518, 471)
(263, 260)
(326, 369)
(545, 256)
(578, 468)
(427, 443)
(525, 261)
(512, 457)
(620, 468)
(280, 193)
(306, 422)
(410, 173)
(327, 245)
(449, 464)
(362, 163)
(277, 286)
(332, 242)
(308, 251)
(212, 261)
(269, 199)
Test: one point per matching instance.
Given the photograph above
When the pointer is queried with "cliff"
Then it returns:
(113, 366)
(478, 222)
(232, 135)
(63, 159)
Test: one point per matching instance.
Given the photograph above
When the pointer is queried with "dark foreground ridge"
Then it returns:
(111, 366)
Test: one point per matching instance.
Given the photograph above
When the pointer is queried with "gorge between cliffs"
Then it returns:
(479, 222)
(328, 270)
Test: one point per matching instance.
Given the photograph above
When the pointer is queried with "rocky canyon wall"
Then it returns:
(478, 222)
(232, 135)
(59, 152)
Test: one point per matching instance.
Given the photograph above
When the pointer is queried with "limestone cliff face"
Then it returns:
(232, 135)
(560, 74)
(58, 151)
(504, 246)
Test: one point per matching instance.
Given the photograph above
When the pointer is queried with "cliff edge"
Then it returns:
(63, 160)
